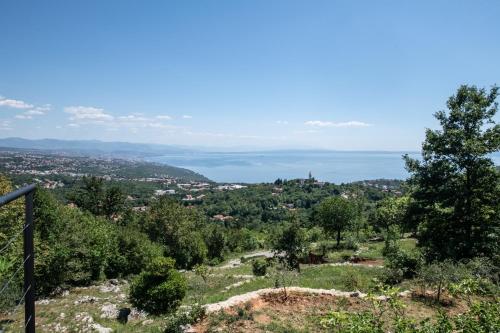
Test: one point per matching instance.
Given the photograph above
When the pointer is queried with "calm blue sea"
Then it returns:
(255, 167)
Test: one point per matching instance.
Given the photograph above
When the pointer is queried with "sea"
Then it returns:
(257, 167)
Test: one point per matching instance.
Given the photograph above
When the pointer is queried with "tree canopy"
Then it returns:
(456, 189)
(335, 214)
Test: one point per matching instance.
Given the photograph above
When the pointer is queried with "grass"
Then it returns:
(346, 278)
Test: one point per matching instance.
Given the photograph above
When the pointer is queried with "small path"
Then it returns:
(357, 264)
(237, 262)
(243, 298)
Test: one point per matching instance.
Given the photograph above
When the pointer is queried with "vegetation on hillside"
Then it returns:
(437, 235)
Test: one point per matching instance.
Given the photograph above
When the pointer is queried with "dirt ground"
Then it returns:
(296, 313)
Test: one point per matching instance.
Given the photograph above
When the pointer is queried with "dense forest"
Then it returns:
(449, 208)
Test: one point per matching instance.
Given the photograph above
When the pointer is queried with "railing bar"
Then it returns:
(5, 199)
(13, 238)
(27, 321)
(21, 300)
(14, 274)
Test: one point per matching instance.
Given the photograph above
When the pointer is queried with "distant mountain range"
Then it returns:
(95, 147)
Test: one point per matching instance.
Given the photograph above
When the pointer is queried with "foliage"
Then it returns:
(401, 264)
(259, 267)
(284, 277)
(202, 271)
(133, 252)
(215, 239)
(289, 245)
(391, 211)
(456, 191)
(437, 276)
(388, 314)
(178, 229)
(177, 322)
(336, 214)
(11, 226)
(92, 196)
(243, 239)
(158, 289)
(461, 279)
(73, 247)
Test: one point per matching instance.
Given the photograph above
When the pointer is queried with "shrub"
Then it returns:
(437, 276)
(134, 251)
(215, 239)
(158, 289)
(177, 322)
(343, 321)
(202, 271)
(259, 267)
(401, 264)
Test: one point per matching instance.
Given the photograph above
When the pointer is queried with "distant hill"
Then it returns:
(29, 162)
(94, 147)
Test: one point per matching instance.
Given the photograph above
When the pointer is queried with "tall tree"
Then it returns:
(335, 214)
(456, 187)
(90, 195)
(113, 201)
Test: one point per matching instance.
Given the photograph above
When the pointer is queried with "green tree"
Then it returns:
(178, 229)
(336, 214)
(134, 251)
(289, 245)
(11, 226)
(456, 189)
(160, 288)
(113, 201)
(90, 195)
(215, 238)
(72, 247)
(391, 211)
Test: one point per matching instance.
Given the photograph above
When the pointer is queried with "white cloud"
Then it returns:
(187, 116)
(34, 112)
(23, 116)
(352, 123)
(282, 122)
(132, 118)
(164, 117)
(38, 111)
(73, 125)
(5, 125)
(13, 103)
(87, 114)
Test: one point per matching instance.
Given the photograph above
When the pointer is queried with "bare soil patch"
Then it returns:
(297, 312)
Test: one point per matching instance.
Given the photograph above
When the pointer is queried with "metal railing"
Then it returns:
(28, 262)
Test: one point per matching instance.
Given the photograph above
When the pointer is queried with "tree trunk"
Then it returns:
(338, 237)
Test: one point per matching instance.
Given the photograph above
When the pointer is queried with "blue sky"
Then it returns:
(349, 75)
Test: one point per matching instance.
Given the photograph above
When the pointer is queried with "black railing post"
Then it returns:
(29, 266)
(28, 263)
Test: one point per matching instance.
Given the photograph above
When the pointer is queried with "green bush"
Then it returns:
(401, 264)
(259, 267)
(160, 288)
(72, 247)
(178, 229)
(134, 251)
(177, 322)
(351, 243)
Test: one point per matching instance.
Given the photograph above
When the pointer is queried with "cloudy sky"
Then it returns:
(356, 75)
